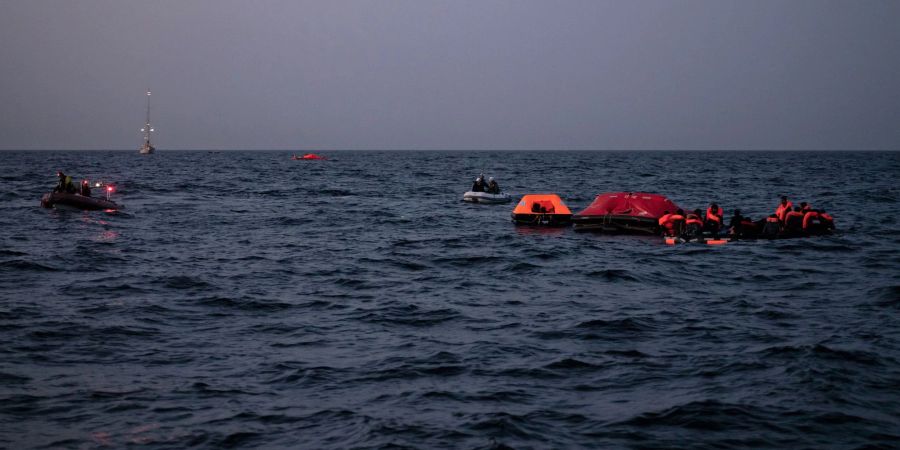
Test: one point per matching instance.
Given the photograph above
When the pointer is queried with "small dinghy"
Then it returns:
(486, 198)
(541, 209)
(78, 201)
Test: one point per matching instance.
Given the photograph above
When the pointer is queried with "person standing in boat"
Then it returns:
(493, 187)
(86, 188)
(65, 183)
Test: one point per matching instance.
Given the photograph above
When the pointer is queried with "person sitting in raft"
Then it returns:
(783, 208)
(714, 218)
(811, 222)
(805, 207)
(736, 224)
(493, 187)
(793, 222)
(85, 188)
(478, 186)
(65, 183)
(772, 227)
(672, 224)
(693, 224)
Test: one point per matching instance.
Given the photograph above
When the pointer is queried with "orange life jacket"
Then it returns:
(826, 216)
(665, 218)
(783, 209)
(808, 217)
(692, 219)
(772, 219)
(790, 215)
(806, 209)
(715, 216)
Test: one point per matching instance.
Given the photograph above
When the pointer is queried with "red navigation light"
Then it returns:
(109, 188)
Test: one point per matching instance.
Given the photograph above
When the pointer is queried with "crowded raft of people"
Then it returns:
(654, 214)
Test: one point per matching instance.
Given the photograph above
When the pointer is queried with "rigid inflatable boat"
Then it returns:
(307, 156)
(624, 212)
(78, 201)
(541, 209)
(484, 197)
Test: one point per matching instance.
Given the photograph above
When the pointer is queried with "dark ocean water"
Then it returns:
(247, 300)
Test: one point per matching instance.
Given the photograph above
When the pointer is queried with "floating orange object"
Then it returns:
(308, 156)
(717, 242)
(541, 209)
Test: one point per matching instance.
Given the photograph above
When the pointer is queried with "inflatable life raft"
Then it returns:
(78, 201)
(484, 197)
(307, 157)
(624, 212)
(541, 209)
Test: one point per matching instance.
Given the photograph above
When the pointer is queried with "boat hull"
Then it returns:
(544, 220)
(486, 198)
(76, 201)
(146, 149)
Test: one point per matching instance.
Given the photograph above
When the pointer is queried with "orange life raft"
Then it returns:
(541, 209)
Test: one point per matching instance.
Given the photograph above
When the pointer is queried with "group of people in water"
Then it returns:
(66, 185)
(787, 221)
(491, 187)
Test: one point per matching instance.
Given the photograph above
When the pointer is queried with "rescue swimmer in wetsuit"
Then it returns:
(672, 224)
(493, 187)
(65, 183)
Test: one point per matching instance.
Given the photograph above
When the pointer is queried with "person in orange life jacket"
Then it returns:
(793, 221)
(772, 226)
(811, 222)
(714, 218)
(783, 208)
(672, 224)
(805, 207)
(693, 224)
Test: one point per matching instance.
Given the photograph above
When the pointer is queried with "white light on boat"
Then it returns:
(97, 185)
(152, 129)
(148, 92)
(142, 129)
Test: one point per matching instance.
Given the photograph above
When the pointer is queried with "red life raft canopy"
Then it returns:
(630, 204)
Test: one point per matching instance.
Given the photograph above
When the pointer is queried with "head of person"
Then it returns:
(714, 207)
(666, 212)
(698, 212)
(784, 199)
(491, 179)
(680, 212)
(803, 205)
(797, 209)
(737, 212)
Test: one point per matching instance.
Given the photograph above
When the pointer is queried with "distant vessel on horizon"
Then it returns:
(146, 148)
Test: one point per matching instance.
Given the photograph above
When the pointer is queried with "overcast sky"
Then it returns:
(423, 74)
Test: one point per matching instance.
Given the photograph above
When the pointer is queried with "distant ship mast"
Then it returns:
(146, 148)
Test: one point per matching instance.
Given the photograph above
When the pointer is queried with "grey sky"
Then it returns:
(422, 74)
